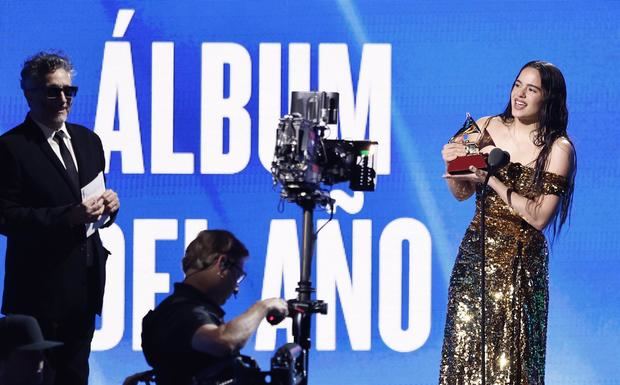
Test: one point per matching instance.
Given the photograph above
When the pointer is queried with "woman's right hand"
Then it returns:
(460, 186)
(451, 151)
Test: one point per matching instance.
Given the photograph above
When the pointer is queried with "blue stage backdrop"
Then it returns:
(186, 97)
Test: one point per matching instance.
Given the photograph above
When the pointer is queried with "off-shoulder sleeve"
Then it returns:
(554, 184)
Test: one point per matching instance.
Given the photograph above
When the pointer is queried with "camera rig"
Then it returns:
(304, 160)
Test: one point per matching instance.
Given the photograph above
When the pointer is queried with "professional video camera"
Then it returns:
(304, 159)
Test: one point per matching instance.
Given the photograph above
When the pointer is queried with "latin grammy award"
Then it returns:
(470, 135)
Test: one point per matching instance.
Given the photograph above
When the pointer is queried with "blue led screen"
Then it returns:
(186, 97)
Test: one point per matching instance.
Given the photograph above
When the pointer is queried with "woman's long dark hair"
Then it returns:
(552, 124)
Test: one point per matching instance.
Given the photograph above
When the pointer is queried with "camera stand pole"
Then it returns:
(301, 320)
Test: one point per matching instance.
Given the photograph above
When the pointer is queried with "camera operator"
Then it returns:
(185, 338)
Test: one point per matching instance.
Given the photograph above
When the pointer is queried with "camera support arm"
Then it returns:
(304, 307)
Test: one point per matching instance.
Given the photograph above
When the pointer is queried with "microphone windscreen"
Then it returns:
(498, 158)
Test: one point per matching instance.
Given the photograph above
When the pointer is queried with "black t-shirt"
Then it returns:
(167, 335)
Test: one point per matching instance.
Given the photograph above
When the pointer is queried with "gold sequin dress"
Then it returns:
(516, 292)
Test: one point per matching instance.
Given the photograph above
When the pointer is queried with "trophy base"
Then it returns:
(460, 165)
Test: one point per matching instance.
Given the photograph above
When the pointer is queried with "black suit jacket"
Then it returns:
(46, 273)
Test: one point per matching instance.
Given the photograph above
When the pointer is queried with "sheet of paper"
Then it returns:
(95, 187)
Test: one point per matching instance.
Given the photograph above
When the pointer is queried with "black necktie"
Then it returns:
(67, 158)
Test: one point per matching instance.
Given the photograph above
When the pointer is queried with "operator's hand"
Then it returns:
(276, 304)
(276, 310)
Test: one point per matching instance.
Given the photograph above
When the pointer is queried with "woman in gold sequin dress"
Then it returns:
(532, 192)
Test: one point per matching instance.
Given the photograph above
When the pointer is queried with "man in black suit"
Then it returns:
(54, 271)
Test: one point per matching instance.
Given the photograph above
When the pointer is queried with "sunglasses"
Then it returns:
(53, 92)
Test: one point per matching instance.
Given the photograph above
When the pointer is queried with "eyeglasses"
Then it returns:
(241, 274)
(53, 92)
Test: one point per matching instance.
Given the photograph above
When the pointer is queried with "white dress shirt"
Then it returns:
(49, 136)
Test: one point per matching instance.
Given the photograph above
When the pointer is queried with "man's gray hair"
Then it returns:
(39, 65)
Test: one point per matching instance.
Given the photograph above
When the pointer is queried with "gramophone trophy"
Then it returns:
(470, 135)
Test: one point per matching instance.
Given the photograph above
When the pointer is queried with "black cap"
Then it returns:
(22, 332)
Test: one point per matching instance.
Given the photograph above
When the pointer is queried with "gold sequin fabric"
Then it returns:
(516, 292)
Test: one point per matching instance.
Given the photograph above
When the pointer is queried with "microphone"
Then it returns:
(497, 159)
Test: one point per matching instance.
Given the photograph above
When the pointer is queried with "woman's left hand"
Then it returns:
(476, 175)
